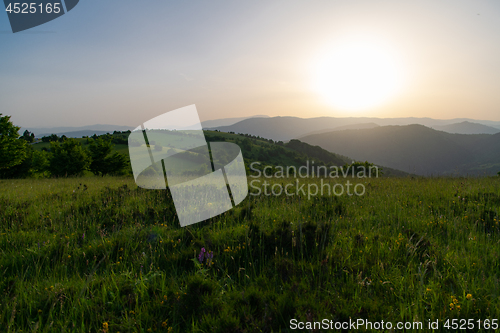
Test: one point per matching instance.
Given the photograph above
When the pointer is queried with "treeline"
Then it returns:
(117, 137)
(65, 157)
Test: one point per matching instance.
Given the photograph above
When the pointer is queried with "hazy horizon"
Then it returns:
(124, 62)
(265, 116)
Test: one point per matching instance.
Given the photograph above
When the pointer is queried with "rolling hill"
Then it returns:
(416, 149)
(267, 152)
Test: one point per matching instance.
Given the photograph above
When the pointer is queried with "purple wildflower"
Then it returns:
(210, 256)
(201, 256)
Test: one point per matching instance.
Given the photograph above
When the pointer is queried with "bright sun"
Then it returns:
(357, 75)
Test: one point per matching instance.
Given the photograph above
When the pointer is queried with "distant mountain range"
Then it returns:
(416, 149)
(98, 129)
(466, 127)
(76, 132)
(226, 121)
(286, 128)
(406, 144)
(341, 128)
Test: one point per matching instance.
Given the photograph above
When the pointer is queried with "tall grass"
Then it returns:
(99, 254)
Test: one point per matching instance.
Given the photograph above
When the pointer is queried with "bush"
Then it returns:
(103, 162)
(68, 158)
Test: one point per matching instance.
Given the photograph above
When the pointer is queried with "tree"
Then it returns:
(39, 163)
(103, 162)
(12, 150)
(246, 145)
(68, 158)
(35, 164)
(50, 138)
(28, 136)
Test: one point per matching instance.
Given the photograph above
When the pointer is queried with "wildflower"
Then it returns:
(164, 324)
(201, 256)
(469, 296)
(105, 326)
(210, 257)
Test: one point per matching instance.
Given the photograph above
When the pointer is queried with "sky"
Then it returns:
(123, 62)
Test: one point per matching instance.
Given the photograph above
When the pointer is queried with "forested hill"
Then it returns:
(254, 149)
(292, 153)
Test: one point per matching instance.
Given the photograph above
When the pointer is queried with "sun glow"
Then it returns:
(357, 75)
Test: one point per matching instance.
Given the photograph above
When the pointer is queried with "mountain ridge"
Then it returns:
(467, 127)
(287, 128)
(416, 149)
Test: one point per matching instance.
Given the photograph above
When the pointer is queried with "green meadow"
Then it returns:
(99, 254)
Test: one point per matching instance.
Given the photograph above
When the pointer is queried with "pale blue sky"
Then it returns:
(125, 61)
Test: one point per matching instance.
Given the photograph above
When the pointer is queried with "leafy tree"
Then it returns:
(68, 158)
(39, 163)
(12, 151)
(246, 145)
(103, 162)
(35, 164)
(28, 136)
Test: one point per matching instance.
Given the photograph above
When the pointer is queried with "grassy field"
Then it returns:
(101, 255)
